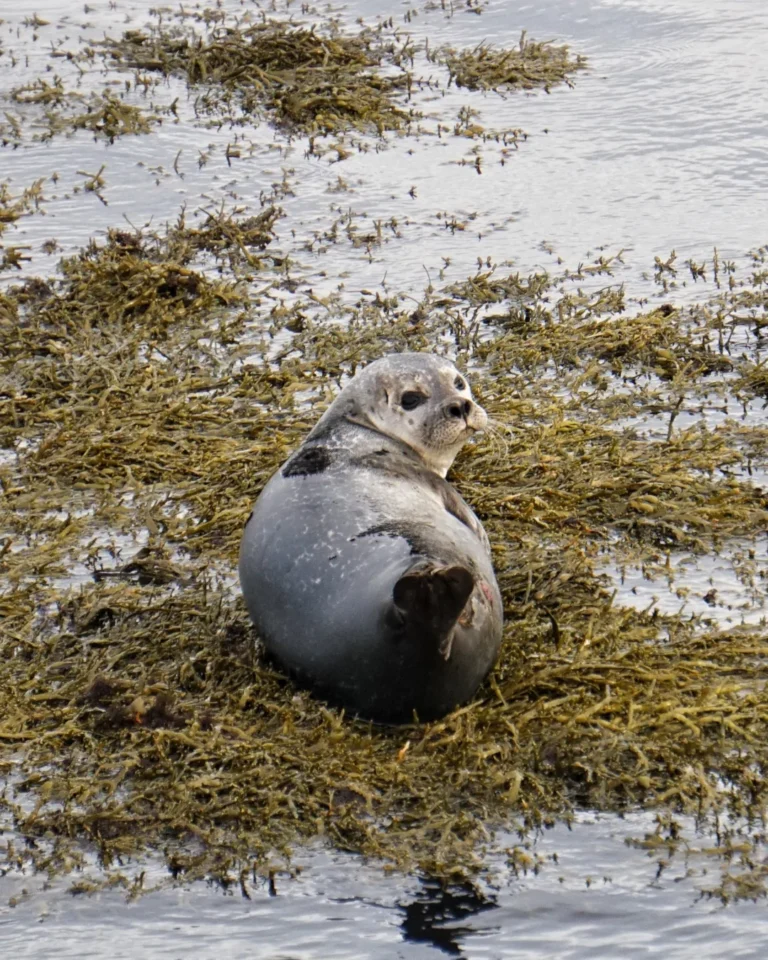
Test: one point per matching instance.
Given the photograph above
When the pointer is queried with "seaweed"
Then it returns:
(139, 711)
(529, 66)
(13, 207)
(305, 80)
(62, 111)
(150, 388)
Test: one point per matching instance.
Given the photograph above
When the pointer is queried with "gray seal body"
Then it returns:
(366, 575)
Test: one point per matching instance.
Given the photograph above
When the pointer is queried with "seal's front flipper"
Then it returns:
(428, 601)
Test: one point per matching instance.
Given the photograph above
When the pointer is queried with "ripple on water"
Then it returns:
(601, 898)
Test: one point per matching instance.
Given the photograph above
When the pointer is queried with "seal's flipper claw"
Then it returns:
(428, 600)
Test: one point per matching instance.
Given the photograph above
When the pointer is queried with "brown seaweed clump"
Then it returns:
(144, 401)
(50, 109)
(12, 208)
(305, 80)
(15, 206)
(529, 66)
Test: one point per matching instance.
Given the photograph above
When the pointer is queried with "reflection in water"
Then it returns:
(425, 918)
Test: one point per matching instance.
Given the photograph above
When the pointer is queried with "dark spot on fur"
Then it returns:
(248, 520)
(410, 532)
(307, 461)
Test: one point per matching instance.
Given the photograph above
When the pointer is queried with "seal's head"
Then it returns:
(418, 398)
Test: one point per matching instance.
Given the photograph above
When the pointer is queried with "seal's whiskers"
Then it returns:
(497, 432)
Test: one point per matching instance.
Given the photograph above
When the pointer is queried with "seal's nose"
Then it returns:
(458, 409)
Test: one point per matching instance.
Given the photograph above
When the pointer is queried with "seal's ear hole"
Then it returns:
(386, 397)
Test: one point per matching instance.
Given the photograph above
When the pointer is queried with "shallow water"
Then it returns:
(661, 145)
(601, 898)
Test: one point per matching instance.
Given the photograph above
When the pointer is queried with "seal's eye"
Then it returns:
(459, 384)
(411, 399)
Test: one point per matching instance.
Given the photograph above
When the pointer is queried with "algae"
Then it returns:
(305, 80)
(145, 400)
(309, 80)
(50, 109)
(530, 66)
(149, 389)
(15, 206)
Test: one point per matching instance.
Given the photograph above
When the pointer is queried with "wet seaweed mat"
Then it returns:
(317, 80)
(307, 80)
(146, 396)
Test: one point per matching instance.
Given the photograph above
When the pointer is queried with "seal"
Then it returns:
(366, 575)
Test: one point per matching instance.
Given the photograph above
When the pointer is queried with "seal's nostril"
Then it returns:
(460, 409)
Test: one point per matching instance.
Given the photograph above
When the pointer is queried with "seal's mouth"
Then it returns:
(477, 419)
